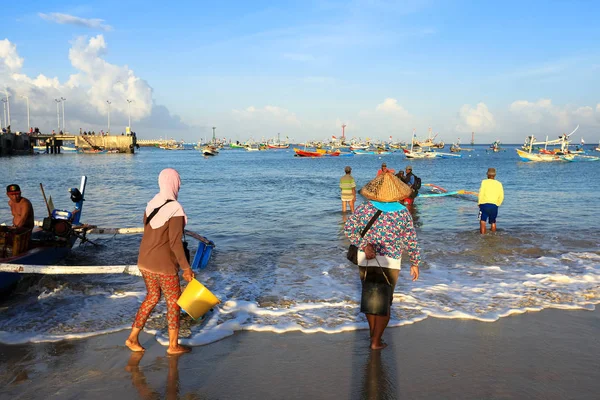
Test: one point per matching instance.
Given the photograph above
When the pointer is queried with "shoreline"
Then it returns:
(550, 354)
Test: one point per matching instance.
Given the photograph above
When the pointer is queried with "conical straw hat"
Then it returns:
(386, 188)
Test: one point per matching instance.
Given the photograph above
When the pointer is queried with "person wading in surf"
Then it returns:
(161, 256)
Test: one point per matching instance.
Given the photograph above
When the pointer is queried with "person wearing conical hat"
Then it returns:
(381, 248)
(490, 197)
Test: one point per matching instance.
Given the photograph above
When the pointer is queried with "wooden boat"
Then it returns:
(63, 149)
(317, 153)
(277, 144)
(496, 146)
(305, 153)
(544, 154)
(527, 156)
(579, 157)
(419, 154)
(447, 155)
(209, 151)
(48, 244)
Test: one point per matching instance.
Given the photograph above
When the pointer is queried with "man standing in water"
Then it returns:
(410, 180)
(348, 187)
(491, 195)
(20, 207)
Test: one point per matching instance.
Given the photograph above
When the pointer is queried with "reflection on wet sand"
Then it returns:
(376, 382)
(138, 379)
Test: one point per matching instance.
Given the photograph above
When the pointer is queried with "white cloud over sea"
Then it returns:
(93, 81)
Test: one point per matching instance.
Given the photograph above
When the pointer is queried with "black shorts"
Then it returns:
(377, 294)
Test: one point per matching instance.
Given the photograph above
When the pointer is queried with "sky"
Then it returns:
(256, 69)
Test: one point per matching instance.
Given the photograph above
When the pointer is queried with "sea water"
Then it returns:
(279, 263)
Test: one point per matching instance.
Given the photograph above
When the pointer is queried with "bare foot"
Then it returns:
(134, 346)
(381, 346)
(179, 349)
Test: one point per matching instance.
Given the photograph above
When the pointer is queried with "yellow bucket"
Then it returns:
(196, 299)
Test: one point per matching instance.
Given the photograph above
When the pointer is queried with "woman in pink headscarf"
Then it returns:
(161, 256)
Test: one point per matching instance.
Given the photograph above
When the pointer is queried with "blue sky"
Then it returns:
(504, 70)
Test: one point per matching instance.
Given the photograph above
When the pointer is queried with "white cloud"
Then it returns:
(59, 18)
(9, 57)
(478, 119)
(585, 111)
(93, 82)
(541, 113)
(391, 106)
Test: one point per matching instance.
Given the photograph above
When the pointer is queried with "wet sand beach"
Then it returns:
(552, 354)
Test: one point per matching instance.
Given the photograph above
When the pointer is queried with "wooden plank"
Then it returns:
(70, 269)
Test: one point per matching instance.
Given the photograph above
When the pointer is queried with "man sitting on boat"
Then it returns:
(20, 207)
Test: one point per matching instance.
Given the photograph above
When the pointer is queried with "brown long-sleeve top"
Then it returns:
(161, 250)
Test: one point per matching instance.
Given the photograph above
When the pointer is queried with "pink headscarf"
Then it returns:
(169, 183)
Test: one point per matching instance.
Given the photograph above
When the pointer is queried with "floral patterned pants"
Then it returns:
(155, 283)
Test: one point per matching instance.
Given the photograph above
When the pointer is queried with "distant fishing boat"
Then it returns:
(278, 144)
(63, 149)
(209, 150)
(545, 155)
(496, 146)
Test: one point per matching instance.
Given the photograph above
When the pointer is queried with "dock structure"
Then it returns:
(22, 143)
(15, 144)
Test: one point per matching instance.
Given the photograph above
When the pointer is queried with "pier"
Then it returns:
(22, 143)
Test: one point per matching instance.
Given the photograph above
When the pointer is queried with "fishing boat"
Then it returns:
(578, 157)
(455, 148)
(209, 150)
(598, 148)
(545, 154)
(427, 142)
(305, 153)
(447, 155)
(317, 153)
(277, 144)
(417, 154)
(496, 146)
(45, 245)
(63, 149)
(420, 152)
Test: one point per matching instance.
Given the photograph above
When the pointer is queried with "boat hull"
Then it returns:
(44, 255)
(525, 156)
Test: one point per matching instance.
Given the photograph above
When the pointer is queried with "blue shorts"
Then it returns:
(488, 211)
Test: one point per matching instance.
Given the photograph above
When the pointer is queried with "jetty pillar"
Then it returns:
(120, 143)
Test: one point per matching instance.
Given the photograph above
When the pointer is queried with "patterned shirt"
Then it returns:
(391, 233)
